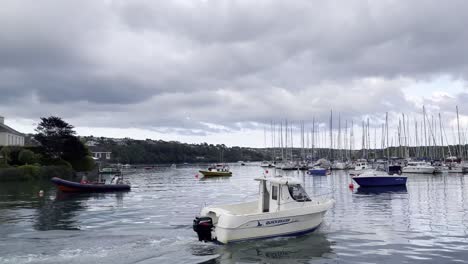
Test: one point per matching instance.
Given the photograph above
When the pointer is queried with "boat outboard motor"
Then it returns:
(203, 226)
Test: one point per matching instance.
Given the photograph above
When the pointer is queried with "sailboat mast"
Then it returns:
(425, 135)
(441, 137)
(459, 138)
(313, 137)
(331, 135)
(386, 128)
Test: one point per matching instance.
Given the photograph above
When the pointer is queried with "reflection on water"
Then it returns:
(425, 222)
(278, 250)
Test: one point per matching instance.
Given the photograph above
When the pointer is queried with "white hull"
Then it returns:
(416, 169)
(455, 170)
(339, 166)
(233, 228)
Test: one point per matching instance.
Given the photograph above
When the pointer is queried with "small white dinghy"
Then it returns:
(283, 209)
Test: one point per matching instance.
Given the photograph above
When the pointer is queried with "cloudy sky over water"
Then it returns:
(217, 71)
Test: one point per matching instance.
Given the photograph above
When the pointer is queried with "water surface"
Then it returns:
(426, 222)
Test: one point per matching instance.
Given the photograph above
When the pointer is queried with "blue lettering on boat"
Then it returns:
(276, 222)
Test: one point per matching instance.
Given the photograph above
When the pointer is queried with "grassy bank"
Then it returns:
(33, 172)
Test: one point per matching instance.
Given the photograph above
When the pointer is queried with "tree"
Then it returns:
(26, 156)
(59, 142)
(5, 152)
(52, 132)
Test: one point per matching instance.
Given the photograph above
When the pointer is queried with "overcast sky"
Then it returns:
(218, 71)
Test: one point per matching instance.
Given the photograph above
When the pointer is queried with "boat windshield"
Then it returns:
(298, 193)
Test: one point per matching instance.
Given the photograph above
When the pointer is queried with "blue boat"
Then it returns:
(382, 189)
(374, 178)
(318, 171)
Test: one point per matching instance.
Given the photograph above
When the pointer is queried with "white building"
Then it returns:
(9, 136)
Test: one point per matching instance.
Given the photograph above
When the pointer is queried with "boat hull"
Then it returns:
(216, 173)
(235, 228)
(69, 186)
(422, 170)
(380, 180)
(318, 172)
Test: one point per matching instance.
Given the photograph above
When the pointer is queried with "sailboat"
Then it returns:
(217, 170)
(379, 178)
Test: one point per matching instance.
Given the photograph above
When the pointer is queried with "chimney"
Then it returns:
(2, 119)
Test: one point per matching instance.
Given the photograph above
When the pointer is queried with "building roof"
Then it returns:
(7, 129)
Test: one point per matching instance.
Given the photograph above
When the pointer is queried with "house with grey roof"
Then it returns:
(9, 136)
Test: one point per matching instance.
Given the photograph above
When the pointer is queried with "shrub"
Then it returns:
(33, 172)
(85, 164)
(30, 171)
(26, 156)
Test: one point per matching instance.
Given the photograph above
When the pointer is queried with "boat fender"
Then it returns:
(203, 227)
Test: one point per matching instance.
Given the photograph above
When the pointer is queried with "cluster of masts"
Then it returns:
(427, 138)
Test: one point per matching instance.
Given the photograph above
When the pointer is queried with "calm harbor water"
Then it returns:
(426, 222)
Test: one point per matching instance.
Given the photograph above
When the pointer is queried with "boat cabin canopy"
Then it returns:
(280, 192)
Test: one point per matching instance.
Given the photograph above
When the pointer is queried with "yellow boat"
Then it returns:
(217, 171)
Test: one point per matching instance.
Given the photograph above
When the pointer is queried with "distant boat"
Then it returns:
(419, 167)
(69, 186)
(288, 166)
(339, 165)
(318, 171)
(110, 171)
(267, 164)
(218, 170)
(361, 165)
(372, 178)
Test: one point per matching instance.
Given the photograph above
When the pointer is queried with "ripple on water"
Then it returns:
(425, 222)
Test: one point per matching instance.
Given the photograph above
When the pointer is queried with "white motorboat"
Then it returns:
(361, 165)
(455, 168)
(283, 209)
(267, 164)
(418, 167)
(339, 165)
(289, 166)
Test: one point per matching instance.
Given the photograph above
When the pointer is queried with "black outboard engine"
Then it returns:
(203, 226)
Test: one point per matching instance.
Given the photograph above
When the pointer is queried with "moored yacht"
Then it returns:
(374, 178)
(282, 209)
(361, 164)
(267, 164)
(418, 167)
(217, 170)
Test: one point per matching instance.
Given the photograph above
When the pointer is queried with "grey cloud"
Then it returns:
(175, 66)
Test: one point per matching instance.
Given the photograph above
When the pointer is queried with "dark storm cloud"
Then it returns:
(214, 66)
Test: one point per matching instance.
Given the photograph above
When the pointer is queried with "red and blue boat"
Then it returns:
(86, 187)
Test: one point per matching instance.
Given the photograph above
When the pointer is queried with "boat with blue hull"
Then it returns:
(376, 178)
(382, 189)
(318, 171)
